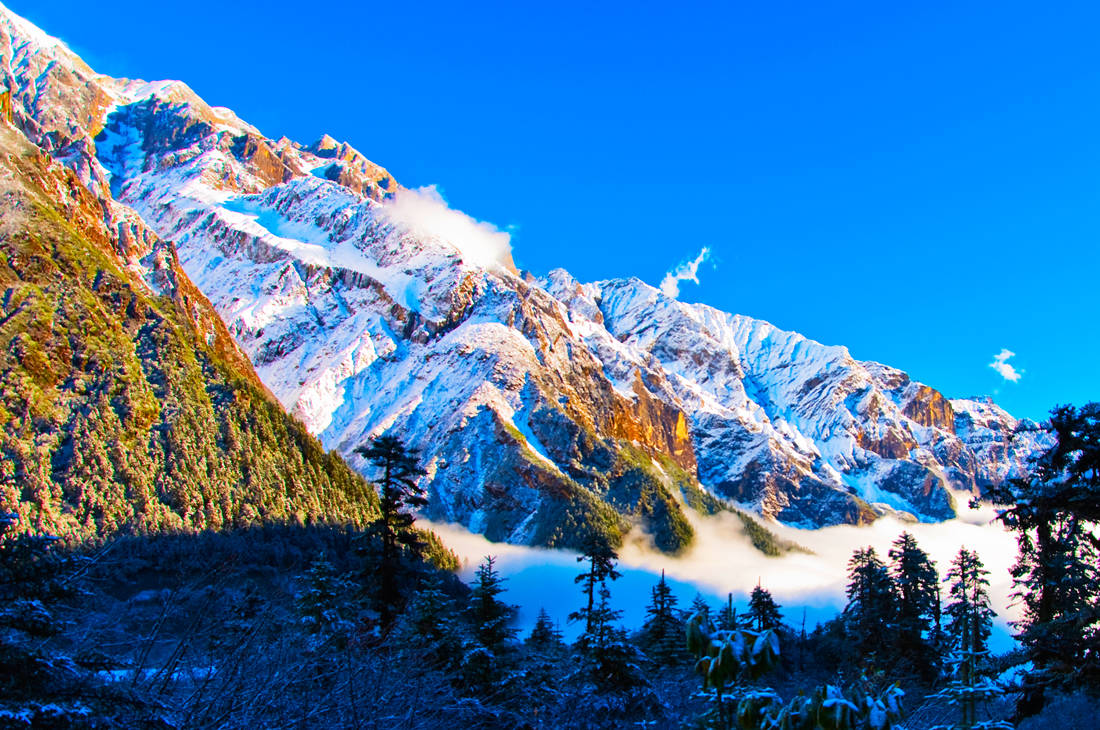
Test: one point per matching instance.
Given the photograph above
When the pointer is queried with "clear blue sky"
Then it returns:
(919, 184)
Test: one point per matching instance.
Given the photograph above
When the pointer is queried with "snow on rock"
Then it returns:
(367, 308)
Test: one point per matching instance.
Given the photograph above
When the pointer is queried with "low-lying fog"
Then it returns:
(721, 560)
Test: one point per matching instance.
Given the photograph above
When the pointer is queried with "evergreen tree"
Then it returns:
(601, 621)
(1055, 510)
(319, 604)
(601, 559)
(398, 495)
(727, 615)
(918, 602)
(870, 610)
(663, 632)
(428, 624)
(969, 616)
(544, 636)
(969, 620)
(763, 610)
(699, 606)
(612, 662)
(490, 616)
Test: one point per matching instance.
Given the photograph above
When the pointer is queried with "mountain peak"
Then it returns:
(28, 31)
(538, 406)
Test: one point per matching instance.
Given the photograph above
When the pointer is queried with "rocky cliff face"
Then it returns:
(539, 405)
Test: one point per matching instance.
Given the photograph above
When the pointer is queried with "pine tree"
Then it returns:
(319, 605)
(663, 632)
(1055, 510)
(969, 616)
(727, 615)
(969, 620)
(428, 624)
(918, 602)
(545, 636)
(699, 606)
(601, 559)
(870, 610)
(602, 622)
(763, 610)
(490, 616)
(398, 495)
(611, 661)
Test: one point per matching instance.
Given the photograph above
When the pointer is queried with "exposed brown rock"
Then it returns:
(267, 164)
(354, 171)
(929, 408)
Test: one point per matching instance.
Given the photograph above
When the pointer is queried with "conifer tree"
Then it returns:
(763, 610)
(602, 620)
(399, 494)
(544, 636)
(490, 616)
(319, 603)
(969, 620)
(870, 610)
(699, 606)
(916, 583)
(727, 615)
(1055, 510)
(612, 662)
(601, 559)
(969, 616)
(429, 624)
(662, 632)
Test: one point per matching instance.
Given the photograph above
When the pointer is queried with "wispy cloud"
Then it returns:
(425, 212)
(686, 271)
(1004, 368)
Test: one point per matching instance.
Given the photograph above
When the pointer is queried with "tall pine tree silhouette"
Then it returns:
(969, 616)
(491, 617)
(1055, 510)
(763, 610)
(918, 603)
(663, 632)
(870, 609)
(601, 557)
(398, 495)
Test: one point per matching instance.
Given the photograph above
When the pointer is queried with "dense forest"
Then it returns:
(292, 625)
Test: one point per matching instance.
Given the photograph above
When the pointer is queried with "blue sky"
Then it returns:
(918, 184)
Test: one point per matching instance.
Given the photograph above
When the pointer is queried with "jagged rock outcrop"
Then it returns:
(540, 405)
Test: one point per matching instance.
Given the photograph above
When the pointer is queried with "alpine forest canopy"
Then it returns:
(121, 409)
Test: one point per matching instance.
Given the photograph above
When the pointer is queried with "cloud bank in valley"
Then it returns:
(1005, 369)
(424, 212)
(722, 561)
(686, 271)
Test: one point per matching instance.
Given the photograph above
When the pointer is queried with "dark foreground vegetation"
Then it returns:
(303, 626)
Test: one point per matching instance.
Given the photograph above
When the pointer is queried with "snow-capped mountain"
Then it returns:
(538, 405)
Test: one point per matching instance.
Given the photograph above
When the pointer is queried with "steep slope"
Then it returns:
(541, 406)
(123, 403)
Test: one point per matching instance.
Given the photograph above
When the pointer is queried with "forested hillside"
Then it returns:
(124, 404)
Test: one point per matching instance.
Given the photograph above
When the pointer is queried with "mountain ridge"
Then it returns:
(541, 406)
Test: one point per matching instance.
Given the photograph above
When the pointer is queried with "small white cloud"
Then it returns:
(425, 212)
(686, 271)
(1003, 368)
